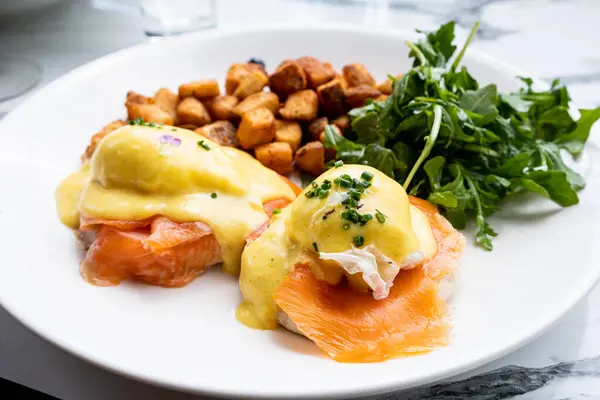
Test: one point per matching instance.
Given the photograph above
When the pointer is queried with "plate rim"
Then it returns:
(367, 389)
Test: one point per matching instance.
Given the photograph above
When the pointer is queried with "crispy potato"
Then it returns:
(276, 156)
(288, 78)
(221, 132)
(357, 74)
(289, 132)
(191, 111)
(136, 98)
(149, 113)
(257, 127)
(222, 108)
(167, 100)
(317, 73)
(317, 126)
(189, 127)
(356, 96)
(302, 105)
(311, 158)
(100, 135)
(261, 99)
(333, 98)
(203, 89)
(342, 122)
(249, 84)
(386, 86)
(237, 71)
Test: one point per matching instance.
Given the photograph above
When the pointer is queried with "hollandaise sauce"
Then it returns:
(354, 222)
(138, 172)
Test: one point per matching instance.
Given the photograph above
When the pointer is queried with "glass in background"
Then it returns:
(166, 17)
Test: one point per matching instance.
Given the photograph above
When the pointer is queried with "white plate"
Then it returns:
(545, 258)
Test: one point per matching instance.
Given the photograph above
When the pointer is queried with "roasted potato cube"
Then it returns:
(136, 98)
(333, 98)
(191, 111)
(237, 71)
(386, 86)
(356, 96)
(189, 127)
(342, 122)
(222, 108)
(249, 84)
(257, 127)
(357, 74)
(288, 78)
(100, 135)
(166, 100)
(221, 132)
(289, 132)
(261, 99)
(203, 89)
(149, 113)
(311, 158)
(317, 73)
(276, 156)
(302, 105)
(317, 126)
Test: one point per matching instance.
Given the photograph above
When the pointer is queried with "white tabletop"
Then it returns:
(549, 38)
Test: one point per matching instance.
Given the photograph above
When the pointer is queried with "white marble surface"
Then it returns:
(548, 38)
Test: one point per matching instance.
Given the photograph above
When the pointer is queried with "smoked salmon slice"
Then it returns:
(353, 327)
(156, 250)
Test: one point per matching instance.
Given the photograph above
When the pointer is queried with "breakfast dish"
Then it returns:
(362, 262)
(163, 207)
(356, 266)
(482, 304)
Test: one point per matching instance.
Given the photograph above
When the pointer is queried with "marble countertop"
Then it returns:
(548, 38)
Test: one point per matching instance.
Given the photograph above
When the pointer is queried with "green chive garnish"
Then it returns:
(315, 246)
(380, 216)
(338, 163)
(367, 176)
(359, 241)
(323, 194)
(203, 145)
(276, 211)
(346, 227)
(213, 195)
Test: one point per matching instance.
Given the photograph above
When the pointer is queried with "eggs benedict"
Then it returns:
(355, 265)
(160, 205)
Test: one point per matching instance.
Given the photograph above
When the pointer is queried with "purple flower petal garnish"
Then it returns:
(175, 142)
(164, 139)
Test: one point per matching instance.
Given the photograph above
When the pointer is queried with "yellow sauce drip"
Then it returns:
(133, 176)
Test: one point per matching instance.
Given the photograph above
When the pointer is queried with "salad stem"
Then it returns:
(464, 49)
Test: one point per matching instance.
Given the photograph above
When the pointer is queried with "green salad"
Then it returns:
(466, 147)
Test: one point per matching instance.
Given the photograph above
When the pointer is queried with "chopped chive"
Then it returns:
(346, 227)
(151, 124)
(380, 216)
(174, 129)
(131, 122)
(213, 195)
(359, 241)
(345, 184)
(338, 163)
(203, 145)
(310, 194)
(365, 184)
(315, 246)
(314, 184)
(337, 181)
(323, 194)
(276, 211)
(367, 176)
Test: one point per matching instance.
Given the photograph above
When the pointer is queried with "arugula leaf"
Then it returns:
(552, 185)
(482, 102)
(575, 140)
